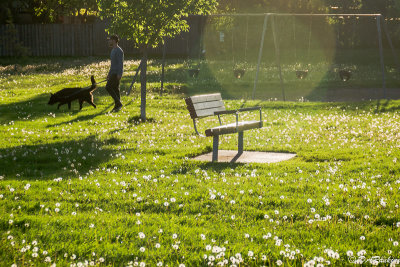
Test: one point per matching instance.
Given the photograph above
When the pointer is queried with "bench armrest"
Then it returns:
(236, 112)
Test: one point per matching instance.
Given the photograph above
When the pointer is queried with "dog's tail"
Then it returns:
(94, 84)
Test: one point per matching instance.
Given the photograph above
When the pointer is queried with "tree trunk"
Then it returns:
(143, 83)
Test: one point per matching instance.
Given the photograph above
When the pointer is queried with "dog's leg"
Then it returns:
(80, 104)
(69, 105)
(91, 101)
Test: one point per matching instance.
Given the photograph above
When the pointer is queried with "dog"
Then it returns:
(67, 95)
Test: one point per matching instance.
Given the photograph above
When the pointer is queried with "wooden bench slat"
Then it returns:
(207, 105)
(206, 98)
(208, 112)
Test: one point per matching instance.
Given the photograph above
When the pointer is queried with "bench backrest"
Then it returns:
(200, 106)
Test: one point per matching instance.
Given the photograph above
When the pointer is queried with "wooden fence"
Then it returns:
(79, 40)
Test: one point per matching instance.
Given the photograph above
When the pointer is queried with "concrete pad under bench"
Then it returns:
(246, 157)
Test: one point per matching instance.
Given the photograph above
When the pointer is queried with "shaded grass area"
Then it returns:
(109, 189)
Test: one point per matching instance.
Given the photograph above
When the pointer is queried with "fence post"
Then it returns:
(378, 24)
(260, 53)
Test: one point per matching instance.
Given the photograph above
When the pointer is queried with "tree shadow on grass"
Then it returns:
(37, 107)
(49, 161)
(29, 109)
(81, 118)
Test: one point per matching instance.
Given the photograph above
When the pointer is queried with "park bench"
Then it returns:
(201, 106)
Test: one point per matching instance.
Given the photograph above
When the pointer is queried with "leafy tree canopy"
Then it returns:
(147, 22)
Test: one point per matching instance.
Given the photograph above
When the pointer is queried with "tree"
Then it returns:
(53, 10)
(148, 22)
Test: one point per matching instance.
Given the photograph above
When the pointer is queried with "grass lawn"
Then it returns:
(92, 187)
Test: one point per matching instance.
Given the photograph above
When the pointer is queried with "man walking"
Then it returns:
(116, 70)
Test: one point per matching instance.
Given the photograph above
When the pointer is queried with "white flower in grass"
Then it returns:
(142, 249)
(101, 259)
(47, 259)
(246, 236)
(263, 258)
(159, 264)
(203, 237)
(276, 212)
(208, 247)
(250, 253)
(349, 253)
(174, 236)
(175, 246)
(279, 262)
(57, 210)
(73, 213)
(362, 238)
(141, 235)
(395, 243)
(35, 255)
(181, 265)
(233, 217)
(142, 264)
(157, 245)
(166, 204)
(173, 200)
(361, 253)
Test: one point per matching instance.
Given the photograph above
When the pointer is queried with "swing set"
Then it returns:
(344, 74)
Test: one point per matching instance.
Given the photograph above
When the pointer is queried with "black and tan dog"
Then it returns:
(68, 95)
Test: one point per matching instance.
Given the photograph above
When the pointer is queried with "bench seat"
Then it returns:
(231, 128)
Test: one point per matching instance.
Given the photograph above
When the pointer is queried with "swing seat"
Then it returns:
(238, 73)
(301, 74)
(345, 75)
(194, 72)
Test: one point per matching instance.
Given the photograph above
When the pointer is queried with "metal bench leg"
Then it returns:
(215, 148)
(240, 142)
